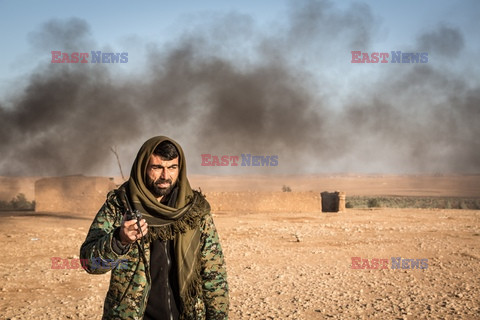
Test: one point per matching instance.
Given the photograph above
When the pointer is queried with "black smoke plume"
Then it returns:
(215, 94)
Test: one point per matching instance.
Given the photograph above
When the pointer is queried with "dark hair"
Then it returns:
(166, 150)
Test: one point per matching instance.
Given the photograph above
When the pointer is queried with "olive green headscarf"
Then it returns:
(179, 223)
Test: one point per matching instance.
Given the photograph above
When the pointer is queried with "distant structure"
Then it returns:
(333, 201)
(72, 194)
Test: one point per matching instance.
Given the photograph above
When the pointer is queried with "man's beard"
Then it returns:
(156, 190)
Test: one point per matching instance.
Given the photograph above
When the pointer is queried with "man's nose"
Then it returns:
(164, 174)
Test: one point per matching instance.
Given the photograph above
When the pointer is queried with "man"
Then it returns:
(173, 263)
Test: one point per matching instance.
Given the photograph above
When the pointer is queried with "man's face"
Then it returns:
(161, 175)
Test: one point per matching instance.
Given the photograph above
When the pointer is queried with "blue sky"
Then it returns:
(115, 24)
(112, 23)
(392, 111)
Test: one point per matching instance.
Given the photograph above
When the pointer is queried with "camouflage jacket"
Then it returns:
(129, 285)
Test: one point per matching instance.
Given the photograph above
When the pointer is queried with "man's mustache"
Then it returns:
(159, 181)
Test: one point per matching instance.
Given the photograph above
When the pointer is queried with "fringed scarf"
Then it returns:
(179, 223)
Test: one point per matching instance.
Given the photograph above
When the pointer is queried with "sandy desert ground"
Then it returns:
(280, 265)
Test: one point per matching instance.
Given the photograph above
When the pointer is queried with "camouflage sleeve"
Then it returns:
(97, 249)
(214, 274)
